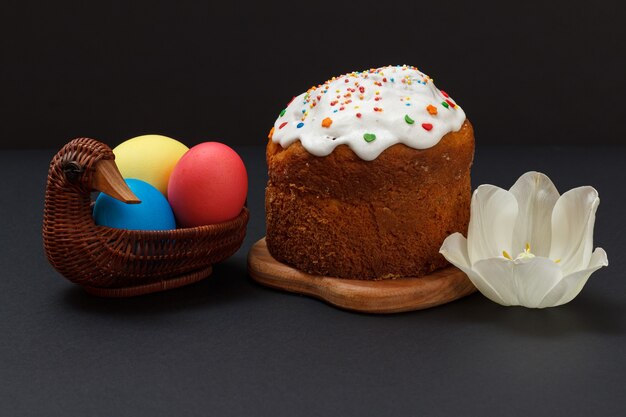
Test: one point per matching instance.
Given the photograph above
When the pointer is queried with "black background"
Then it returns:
(524, 72)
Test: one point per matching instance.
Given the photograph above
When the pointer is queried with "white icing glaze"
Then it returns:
(373, 102)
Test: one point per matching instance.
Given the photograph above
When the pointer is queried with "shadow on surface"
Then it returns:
(589, 313)
(226, 285)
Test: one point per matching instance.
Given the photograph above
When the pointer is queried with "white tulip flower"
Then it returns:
(528, 246)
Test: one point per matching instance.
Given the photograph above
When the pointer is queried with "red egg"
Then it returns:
(208, 185)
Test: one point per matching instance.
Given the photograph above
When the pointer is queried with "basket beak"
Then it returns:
(108, 179)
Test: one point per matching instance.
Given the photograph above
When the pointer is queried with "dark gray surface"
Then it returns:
(229, 347)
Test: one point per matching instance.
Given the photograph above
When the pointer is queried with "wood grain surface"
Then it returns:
(386, 296)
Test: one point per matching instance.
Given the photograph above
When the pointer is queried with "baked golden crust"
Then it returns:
(344, 217)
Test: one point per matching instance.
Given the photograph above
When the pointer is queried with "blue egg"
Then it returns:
(153, 213)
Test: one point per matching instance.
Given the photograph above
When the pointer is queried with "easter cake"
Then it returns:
(368, 174)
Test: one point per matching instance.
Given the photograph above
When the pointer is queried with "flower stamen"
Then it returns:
(526, 254)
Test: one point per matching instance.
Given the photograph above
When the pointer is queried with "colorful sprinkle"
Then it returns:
(369, 137)
(345, 89)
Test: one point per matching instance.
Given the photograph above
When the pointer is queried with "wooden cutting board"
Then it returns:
(386, 296)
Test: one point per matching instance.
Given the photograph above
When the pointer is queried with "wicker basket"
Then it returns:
(116, 262)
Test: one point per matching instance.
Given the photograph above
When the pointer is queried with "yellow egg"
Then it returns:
(150, 158)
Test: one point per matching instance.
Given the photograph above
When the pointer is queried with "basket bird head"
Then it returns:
(85, 165)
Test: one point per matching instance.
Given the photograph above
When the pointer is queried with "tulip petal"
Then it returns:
(573, 219)
(524, 282)
(492, 219)
(454, 249)
(570, 286)
(536, 196)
